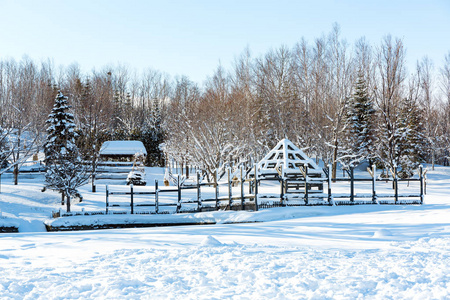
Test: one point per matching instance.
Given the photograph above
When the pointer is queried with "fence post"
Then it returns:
(282, 186)
(242, 188)
(179, 194)
(199, 203)
(329, 185)
(156, 196)
(107, 199)
(421, 183)
(306, 186)
(229, 187)
(352, 185)
(132, 200)
(256, 188)
(374, 180)
(395, 184)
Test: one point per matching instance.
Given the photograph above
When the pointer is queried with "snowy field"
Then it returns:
(342, 252)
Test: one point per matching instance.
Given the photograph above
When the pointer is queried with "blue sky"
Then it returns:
(192, 37)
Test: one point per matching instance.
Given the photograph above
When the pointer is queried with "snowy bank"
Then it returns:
(89, 222)
(8, 225)
(128, 220)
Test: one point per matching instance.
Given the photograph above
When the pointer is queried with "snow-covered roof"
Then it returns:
(124, 148)
(290, 157)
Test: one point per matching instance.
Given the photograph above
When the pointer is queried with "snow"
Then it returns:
(330, 252)
(122, 148)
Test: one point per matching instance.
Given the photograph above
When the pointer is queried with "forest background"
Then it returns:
(340, 102)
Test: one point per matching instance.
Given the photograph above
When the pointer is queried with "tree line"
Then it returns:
(339, 102)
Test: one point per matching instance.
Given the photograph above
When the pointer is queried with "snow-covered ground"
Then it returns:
(343, 252)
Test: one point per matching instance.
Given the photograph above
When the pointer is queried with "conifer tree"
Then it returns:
(65, 171)
(360, 127)
(412, 144)
(4, 151)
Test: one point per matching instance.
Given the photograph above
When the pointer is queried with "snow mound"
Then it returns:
(382, 233)
(210, 242)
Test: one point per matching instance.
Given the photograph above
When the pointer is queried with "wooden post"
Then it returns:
(395, 184)
(329, 185)
(424, 175)
(229, 187)
(216, 185)
(306, 186)
(282, 186)
(107, 199)
(421, 183)
(156, 196)
(132, 200)
(242, 188)
(179, 194)
(256, 188)
(199, 201)
(374, 180)
(352, 184)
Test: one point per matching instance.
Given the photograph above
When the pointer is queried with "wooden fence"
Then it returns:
(254, 199)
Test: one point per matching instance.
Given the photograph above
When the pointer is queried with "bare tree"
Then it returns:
(388, 94)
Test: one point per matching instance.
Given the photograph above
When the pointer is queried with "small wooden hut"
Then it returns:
(119, 150)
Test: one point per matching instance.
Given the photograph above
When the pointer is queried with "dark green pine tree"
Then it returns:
(152, 136)
(361, 124)
(411, 141)
(65, 170)
(4, 151)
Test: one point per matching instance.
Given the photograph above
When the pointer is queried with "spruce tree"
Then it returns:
(360, 124)
(411, 141)
(4, 150)
(65, 170)
(152, 136)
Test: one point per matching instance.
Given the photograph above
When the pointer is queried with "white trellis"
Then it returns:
(286, 159)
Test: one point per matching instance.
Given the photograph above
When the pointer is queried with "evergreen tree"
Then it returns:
(4, 150)
(412, 144)
(152, 136)
(360, 127)
(65, 170)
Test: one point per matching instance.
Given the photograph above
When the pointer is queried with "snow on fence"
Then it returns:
(299, 191)
(381, 198)
(195, 202)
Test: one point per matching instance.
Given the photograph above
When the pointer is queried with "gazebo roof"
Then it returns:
(290, 158)
(122, 148)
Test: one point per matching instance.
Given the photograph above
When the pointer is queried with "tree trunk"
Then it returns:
(16, 175)
(62, 198)
(335, 153)
(68, 202)
(433, 156)
(94, 162)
